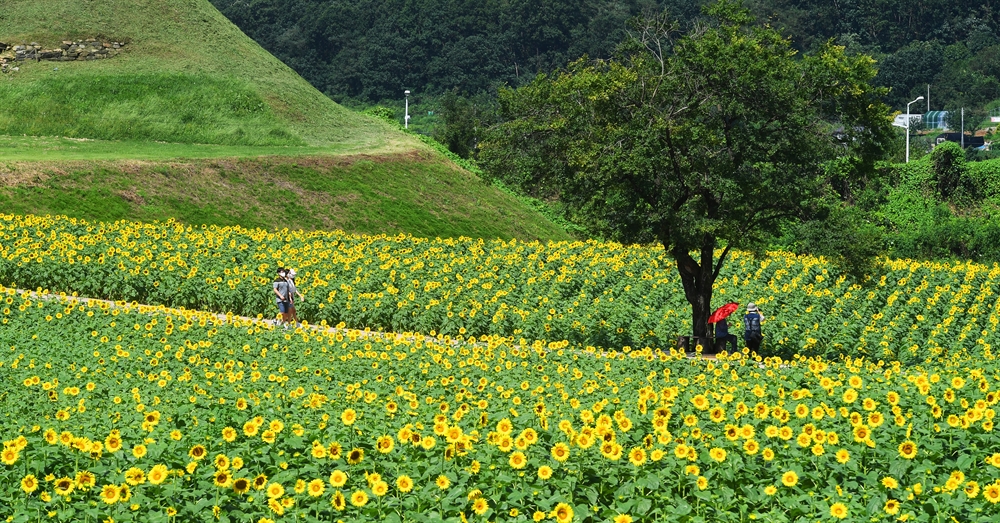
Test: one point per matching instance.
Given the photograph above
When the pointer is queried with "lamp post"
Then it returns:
(908, 127)
(406, 117)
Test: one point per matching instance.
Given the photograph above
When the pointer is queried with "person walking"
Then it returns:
(722, 334)
(293, 292)
(283, 296)
(751, 327)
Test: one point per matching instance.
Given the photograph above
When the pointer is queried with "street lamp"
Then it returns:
(908, 127)
(406, 118)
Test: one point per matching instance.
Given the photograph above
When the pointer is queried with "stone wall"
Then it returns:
(69, 51)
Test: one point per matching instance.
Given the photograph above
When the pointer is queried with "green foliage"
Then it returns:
(373, 49)
(712, 138)
(949, 170)
(381, 112)
(551, 211)
(463, 120)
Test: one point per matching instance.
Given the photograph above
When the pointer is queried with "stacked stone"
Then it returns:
(91, 49)
(4, 58)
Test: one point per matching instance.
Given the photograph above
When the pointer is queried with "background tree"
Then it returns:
(708, 140)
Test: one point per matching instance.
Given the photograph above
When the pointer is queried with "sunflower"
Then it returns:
(29, 483)
(404, 483)
(544, 472)
(770, 490)
(891, 507)
(229, 434)
(316, 488)
(64, 486)
(380, 488)
(890, 482)
(442, 482)
(276, 507)
(158, 474)
(359, 498)
(222, 479)
(623, 518)
(992, 492)
(135, 476)
(560, 452)
(355, 456)
(197, 452)
(113, 443)
(385, 444)
(250, 429)
(348, 417)
(259, 482)
(338, 478)
(337, 501)
(480, 506)
(838, 510)
(563, 513)
(241, 485)
(908, 449)
(517, 460)
(275, 490)
(110, 494)
(637, 456)
(221, 462)
(789, 479)
(139, 451)
(702, 483)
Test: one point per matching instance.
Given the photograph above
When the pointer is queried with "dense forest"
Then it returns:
(370, 50)
(457, 56)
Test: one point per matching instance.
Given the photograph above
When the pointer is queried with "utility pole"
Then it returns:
(963, 128)
(928, 98)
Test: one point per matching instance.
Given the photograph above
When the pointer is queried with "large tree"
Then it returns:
(704, 142)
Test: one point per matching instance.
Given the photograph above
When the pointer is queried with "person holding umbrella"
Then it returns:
(722, 326)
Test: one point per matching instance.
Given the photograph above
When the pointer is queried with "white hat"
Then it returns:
(291, 273)
(751, 307)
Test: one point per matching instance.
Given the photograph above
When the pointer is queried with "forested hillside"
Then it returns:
(371, 50)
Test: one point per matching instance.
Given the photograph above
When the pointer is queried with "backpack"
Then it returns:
(751, 327)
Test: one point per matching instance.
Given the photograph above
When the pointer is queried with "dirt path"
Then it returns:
(270, 323)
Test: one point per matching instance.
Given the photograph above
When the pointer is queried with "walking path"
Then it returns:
(270, 323)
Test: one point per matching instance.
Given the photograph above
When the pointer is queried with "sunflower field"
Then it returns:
(588, 293)
(116, 412)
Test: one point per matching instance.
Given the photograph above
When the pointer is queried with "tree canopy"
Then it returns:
(700, 140)
(371, 50)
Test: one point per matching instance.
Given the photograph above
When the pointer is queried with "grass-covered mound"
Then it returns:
(186, 75)
(418, 193)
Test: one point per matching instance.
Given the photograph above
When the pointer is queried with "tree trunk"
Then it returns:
(698, 279)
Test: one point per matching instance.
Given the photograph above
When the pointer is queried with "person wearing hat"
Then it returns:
(752, 334)
(292, 293)
(283, 294)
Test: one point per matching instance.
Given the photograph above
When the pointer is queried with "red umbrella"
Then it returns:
(723, 312)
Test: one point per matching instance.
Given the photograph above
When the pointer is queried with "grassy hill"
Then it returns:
(194, 120)
(186, 75)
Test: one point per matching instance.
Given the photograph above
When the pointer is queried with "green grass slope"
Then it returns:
(419, 193)
(186, 75)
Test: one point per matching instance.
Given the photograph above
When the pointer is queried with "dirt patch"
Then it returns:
(132, 196)
(12, 176)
